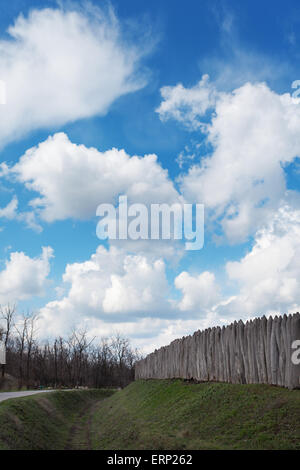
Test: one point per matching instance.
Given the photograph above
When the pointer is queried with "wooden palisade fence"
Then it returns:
(258, 351)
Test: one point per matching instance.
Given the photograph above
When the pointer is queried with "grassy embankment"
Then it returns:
(155, 414)
(162, 414)
(47, 421)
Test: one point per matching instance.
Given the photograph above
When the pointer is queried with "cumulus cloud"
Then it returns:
(61, 65)
(152, 332)
(200, 292)
(187, 105)
(171, 251)
(141, 288)
(254, 132)
(111, 286)
(116, 291)
(268, 276)
(9, 211)
(73, 179)
(146, 331)
(24, 277)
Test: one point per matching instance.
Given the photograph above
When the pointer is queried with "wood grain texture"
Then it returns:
(258, 351)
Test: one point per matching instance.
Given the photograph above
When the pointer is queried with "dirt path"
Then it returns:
(80, 433)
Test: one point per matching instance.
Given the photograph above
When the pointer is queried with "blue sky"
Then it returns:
(82, 75)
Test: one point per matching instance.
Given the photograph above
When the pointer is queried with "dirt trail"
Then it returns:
(80, 433)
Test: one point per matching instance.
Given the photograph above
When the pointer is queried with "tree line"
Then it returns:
(75, 361)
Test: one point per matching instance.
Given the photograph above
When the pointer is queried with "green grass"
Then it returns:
(155, 414)
(172, 414)
(44, 421)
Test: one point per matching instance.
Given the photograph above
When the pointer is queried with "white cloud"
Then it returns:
(151, 332)
(112, 287)
(200, 292)
(116, 291)
(4, 169)
(9, 211)
(253, 132)
(187, 105)
(141, 288)
(146, 332)
(169, 250)
(62, 65)
(73, 179)
(268, 276)
(24, 277)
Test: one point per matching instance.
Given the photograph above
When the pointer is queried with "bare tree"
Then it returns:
(21, 329)
(76, 361)
(30, 332)
(123, 355)
(79, 344)
(55, 347)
